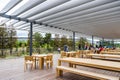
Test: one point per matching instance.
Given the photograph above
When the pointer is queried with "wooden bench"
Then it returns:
(60, 69)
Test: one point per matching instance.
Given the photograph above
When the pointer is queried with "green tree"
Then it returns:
(64, 41)
(17, 45)
(3, 39)
(47, 40)
(28, 43)
(70, 43)
(7, 38)
(56, 41)
(82, 42)
(38, 41)
(11, 38)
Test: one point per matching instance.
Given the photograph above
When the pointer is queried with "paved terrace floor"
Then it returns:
(13, 69)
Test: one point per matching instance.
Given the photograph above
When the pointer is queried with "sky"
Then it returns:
(22, 33)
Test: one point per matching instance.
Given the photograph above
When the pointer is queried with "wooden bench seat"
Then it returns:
(60, 69)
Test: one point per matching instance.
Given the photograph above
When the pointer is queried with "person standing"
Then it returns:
(59, 49)
(79, 47)
(65, 48)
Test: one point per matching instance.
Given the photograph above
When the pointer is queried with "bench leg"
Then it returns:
(70, 65)
(74, 65)
(59, 72)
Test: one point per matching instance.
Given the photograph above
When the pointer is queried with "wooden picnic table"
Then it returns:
(104, 55)
(109, 65)
(108, 52)
(40, 58)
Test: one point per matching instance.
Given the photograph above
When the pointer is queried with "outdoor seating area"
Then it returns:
(73, 60)
(16, 71)
(59, 39)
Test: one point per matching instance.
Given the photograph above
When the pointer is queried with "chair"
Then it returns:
(29, 60)
(49, 60)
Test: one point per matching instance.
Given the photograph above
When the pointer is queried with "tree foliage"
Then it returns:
(70, 43)
(56, 41)
(3, 36)
(64, 41)
(47, 38)
(82, 42)
(7, 38)
(48, 41)
(38, 41)
(11, 38)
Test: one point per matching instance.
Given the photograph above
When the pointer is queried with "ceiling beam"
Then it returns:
(28, 21)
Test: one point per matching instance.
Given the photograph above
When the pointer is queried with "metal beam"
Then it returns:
(16, 18)
(30, 21)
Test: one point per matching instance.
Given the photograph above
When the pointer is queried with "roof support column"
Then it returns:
(31, 32)
(92, 40)
(74, 41)
(113, 43)
(102, 41)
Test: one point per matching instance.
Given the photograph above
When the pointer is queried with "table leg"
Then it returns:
(59, 72)
(59, 63)
(35, 63)
(91, 56)
(41, 62)
(70, 65)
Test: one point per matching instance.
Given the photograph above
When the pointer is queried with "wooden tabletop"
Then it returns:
(93, 63)
(72, 52)
(39, 55)
(108, 52)
(105, 55)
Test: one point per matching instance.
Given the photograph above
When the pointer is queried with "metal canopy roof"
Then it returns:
(92, 17)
